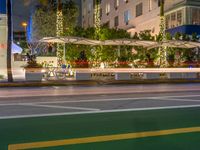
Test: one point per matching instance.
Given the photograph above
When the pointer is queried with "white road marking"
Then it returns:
(180, 100)
(61, 107)
(102, 100)
(98, 112)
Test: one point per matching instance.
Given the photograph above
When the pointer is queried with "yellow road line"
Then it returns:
(101, 138)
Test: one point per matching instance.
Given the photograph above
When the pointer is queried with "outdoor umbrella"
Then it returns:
(176, 44)
(16, 49)
(85, 41)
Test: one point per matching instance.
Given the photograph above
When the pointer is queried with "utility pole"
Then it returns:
(9, 41)
(162, 50)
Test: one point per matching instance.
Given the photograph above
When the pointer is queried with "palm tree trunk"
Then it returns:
(162, 50)
(59, 5)
(9, 42)
(59, 32)
(97, 18)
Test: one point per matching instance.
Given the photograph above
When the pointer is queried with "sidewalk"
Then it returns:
(94, 82)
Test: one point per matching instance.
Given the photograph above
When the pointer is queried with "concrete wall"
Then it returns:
(3, 45)
(87, 13)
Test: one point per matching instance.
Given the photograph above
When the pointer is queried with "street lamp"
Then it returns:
(24, 24)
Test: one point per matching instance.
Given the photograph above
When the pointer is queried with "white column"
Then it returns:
(3, 45)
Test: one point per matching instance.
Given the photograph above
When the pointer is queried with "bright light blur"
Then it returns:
(24, 24)
(43, 70)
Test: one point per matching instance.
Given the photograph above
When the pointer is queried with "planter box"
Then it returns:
(151, 76)
(82, 76)
(174, 75)
(190, 75)
(34, 74)
(122, 76)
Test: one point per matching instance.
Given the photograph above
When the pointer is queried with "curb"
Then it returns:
(94, 83)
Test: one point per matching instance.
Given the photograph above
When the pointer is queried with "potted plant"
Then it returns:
(33, 70)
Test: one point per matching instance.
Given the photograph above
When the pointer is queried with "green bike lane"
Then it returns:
(39, 129)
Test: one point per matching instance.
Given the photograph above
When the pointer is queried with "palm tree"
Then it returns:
(59, 27)
(97, 20)
(9, 41)
(59, 19)
(59, 32)
(163, 60)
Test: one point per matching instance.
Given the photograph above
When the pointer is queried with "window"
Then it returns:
(84, 11)
(89, 8)
(126, 1)
(167, 22)
(107, 8)
(150, 5)
(127, 17)
(107, 24)
(116, 4)
(139, 9)
(173, 20)
(195, 15)
(116, 21)
(179, 17)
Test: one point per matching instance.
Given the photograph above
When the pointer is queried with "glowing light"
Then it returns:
(59, 33)
(43, 71)
(24, 24)
(97, 18)
(59, 23)
(162, 50)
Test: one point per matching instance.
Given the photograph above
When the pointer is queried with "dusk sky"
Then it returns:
(21, 12)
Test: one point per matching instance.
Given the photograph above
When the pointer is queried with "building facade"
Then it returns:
(184, 17)
(138, 15)
(3, 38)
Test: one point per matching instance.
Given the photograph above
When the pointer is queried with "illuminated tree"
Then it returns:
(162, 51)
(56, 18)
(59, 32)
(97, 18)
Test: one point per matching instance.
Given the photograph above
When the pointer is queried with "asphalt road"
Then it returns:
(45, 101)
(87, 117)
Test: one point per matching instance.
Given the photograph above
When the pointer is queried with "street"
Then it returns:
(62, 117)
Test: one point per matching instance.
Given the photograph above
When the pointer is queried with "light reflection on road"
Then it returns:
(106, 89)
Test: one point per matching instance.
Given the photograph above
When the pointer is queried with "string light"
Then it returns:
(162, 50)
(97, 20)
(59, 33)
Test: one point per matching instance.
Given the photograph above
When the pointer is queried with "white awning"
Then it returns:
(85, 41)
(70, 40)
(16, 49)
(176, 44)
(181, 44)
(129, 42)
